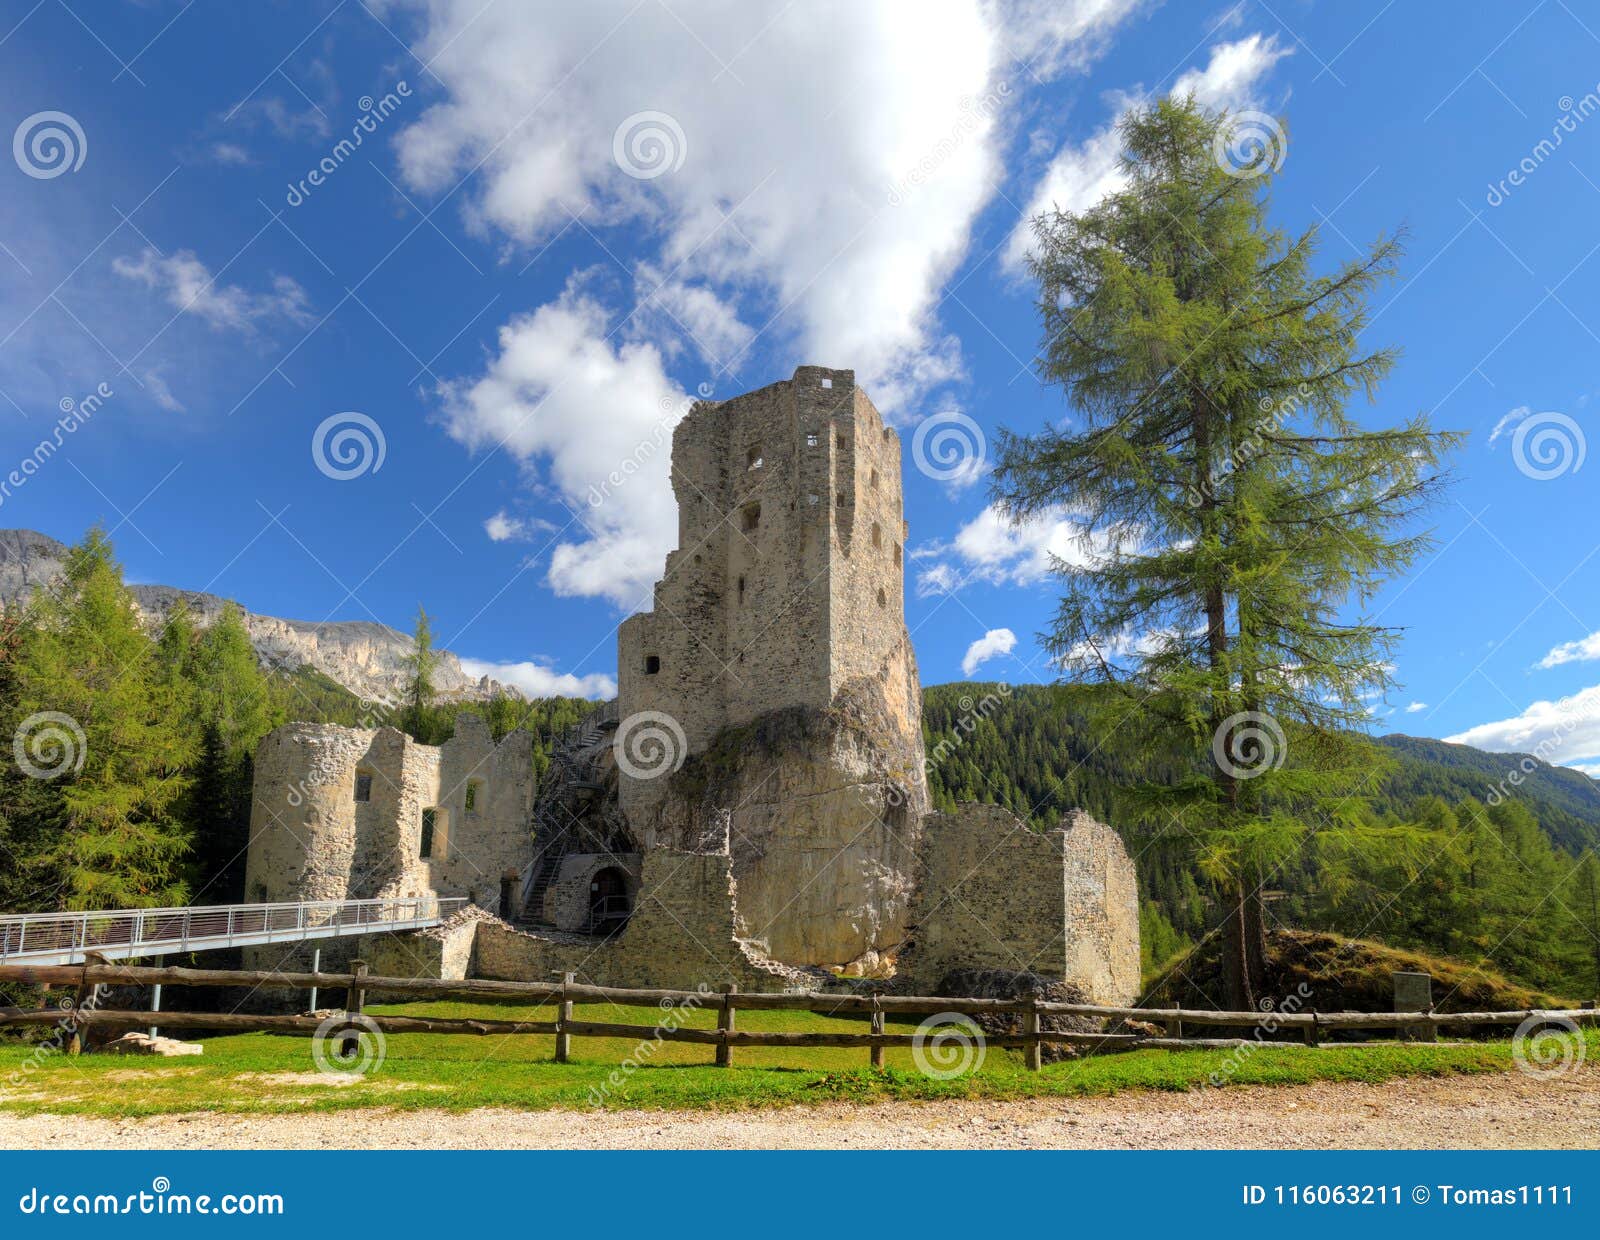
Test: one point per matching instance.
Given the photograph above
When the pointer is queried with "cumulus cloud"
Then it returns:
(503, 528)
(538, 680)
(992, 549)
(1080, 176)
(1558, 732)
(591, 420)
(991, 645)
(1583, 650)
(190, 288)
(776, 146)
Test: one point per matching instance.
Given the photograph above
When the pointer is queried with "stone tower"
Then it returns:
(778, 647)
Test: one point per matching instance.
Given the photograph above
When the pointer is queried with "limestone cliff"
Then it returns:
(363, 656)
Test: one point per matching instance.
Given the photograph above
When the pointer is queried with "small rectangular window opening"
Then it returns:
(750, 517)
(812, 439)
(652, 664)
(827, 383)
(471, 803)
(753, 459)
(428, 819)
(363, 785)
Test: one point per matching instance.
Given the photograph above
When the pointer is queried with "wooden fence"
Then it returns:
(726, 1003)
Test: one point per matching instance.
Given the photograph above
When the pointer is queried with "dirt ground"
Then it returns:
(1508, 1111)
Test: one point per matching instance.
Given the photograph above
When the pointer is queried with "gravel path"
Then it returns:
(1490, 1111)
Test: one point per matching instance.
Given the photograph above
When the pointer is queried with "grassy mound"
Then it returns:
(1340, 974)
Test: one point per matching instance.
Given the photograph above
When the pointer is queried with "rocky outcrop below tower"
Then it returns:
(821, 815)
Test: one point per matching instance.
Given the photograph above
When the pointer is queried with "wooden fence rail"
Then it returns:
(357, 984)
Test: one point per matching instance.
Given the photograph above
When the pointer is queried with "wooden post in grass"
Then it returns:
(563, 1019)
(1174, 1028)
(355, 998)
(1033, 1050)
(725, 1026)
(877, 1028)
(1312, 1037)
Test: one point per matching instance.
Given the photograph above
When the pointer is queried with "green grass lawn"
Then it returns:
(266, 1073)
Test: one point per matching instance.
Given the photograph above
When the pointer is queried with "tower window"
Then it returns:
(429, 821)
(471, 802)
(877, 535)
(827, 383)
(652, 664)
(874, 478)
(897, 555)
(741, 589)
(813, 499)
(753, 458)
(812, 439)
(839, 503)
(363, 785)
(883, 599)
(749, 517)
(842, 442)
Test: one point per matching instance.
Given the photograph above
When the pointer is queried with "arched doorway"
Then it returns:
(608, 900)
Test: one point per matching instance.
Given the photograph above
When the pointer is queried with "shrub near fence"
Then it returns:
(725, 1037)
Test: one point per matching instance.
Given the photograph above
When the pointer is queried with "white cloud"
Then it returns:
(991, 645)
(796, 129)
(1414, 708)
(230, 153)
(1555, 731)
(537, 680)
(156, 386)
(1507, 422)
(1591, 769)
(1079, 176)
(541, 397)
(1583, 650)
(191, 289)
(989, 548)
(503, 528)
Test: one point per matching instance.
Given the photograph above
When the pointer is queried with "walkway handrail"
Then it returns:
(200, 927)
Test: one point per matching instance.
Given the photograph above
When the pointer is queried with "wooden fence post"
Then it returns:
(75, 1033)
(877, 1028)
(563, 1019)
(725, 1026)
(1312, 1037)
(355, 998)
(1033, 1051)
(1174, 1028)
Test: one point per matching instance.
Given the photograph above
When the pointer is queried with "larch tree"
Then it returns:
(1234, 518)
(97, 718)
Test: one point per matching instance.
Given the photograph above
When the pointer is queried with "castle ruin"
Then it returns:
(753, 809)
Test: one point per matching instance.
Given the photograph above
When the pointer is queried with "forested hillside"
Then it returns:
(1515, 885)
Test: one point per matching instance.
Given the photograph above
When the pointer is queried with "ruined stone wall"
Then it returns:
(310, 839)
(788, 581)
(778, 646)
(681, 935)
(994, 894)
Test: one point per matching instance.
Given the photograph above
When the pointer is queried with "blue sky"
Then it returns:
(561, 223)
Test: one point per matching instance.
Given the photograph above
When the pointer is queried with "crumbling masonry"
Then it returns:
(753, 810)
